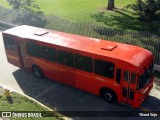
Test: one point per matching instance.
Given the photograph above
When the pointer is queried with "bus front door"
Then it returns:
(128, 88)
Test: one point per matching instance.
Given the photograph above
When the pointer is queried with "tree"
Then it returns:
(29, 5)
(110, 5)
(148, 11)
(30, 11)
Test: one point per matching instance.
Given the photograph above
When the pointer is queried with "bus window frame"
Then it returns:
(55, 54)
(61, 50)
(133, 73)
(120, 75)
(10, 48)
(31, 42)
(109, 63)
(88, 57)
(129, 75)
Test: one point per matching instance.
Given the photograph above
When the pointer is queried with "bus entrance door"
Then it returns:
(20, 54)
(128, 88)
(12, 51)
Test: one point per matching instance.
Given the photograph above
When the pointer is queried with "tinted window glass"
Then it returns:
(49, 54)
(124, 92)
(131, 95)
(133, 78)
(83, 63)
(34, 50)
(140, 83)
(118, 76)
(126, 76)
(10, 44)
(104, 68)
(65, 58)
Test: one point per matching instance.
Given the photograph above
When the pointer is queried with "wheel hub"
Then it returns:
(108, 96)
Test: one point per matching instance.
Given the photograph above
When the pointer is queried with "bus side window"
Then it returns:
(66, 58)
(34, 50)
(104, 68)
(49, 54)
(126, 76)
(84, 63)
(10, 44)
(118, 76)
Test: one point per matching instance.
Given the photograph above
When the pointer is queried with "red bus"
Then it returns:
(117, 72)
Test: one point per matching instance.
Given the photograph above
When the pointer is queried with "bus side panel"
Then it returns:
(48, 68)
(85, 81)
(93, 83)
(71, 76)
(66, 75)
(13, 58)
(75, 78)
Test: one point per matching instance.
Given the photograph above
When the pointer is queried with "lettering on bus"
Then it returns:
(100, 79)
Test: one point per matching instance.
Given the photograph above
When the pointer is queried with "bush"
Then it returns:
(148, 11)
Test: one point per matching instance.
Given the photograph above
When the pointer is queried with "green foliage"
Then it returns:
(24, 4)
(28, 6)
(30, 12)
(73, 10)
(148, 11)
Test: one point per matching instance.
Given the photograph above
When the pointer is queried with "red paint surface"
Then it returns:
(126, 57)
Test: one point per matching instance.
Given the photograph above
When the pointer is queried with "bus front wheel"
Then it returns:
(37, 71)
(109, 96)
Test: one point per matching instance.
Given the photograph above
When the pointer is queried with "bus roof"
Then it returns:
(125, 53)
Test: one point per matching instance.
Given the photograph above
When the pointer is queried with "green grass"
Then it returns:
(85, 11)
(4, 3)
(76, 10)
(89, 11)
(18, 102)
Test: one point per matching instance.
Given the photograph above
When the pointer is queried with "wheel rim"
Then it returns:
(108, 96)
(37, 73)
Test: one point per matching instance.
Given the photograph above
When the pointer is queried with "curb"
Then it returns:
(12, 90)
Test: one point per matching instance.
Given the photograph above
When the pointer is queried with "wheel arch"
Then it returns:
(34, 65)
(41, 70)
(102, 89)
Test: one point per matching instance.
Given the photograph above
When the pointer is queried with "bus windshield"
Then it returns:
(145, 77)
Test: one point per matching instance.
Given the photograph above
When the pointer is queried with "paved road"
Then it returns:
(62, 97)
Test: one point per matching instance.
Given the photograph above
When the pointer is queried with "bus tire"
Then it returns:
(37, 72)
(109, 95)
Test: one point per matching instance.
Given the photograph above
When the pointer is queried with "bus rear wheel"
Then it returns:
(109, 96)
(37, 71)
